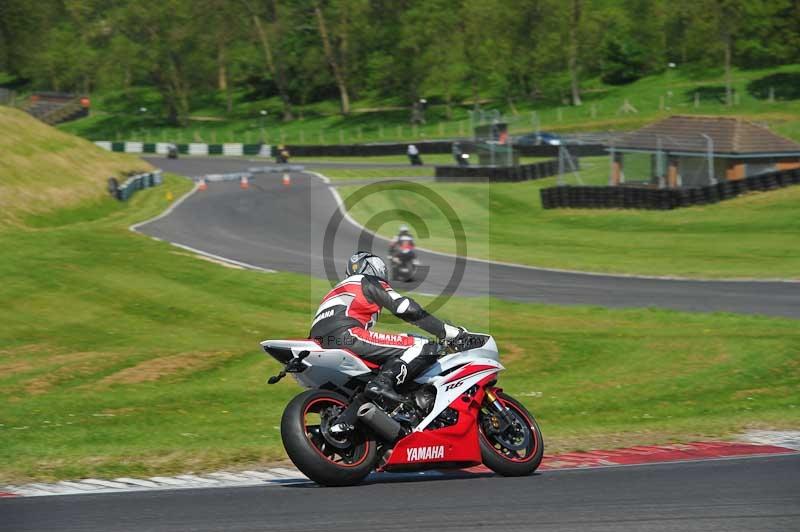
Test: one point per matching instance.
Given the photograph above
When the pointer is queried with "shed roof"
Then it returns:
(730, 135)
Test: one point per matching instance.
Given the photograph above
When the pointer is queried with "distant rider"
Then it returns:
(402, 241)
(413, 155)
(347, 313)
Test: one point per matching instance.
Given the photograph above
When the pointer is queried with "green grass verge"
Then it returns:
(115, 115)
(753, 236)
(347, 174)
(121, 355)
(42, 168)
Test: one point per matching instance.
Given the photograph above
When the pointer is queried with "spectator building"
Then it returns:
(695, 151)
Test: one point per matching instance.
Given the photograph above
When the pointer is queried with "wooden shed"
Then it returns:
(691, 151)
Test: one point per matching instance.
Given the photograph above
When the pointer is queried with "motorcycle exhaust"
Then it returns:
(379, 421)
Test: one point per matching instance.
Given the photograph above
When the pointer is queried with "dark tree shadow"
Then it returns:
(715, 93)
(785, 84)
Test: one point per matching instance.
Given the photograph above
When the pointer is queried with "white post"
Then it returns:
(710, 155)
(611, 165)
(659, 163)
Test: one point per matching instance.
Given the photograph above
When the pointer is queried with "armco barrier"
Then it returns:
(623, 197)
(524, 172)
(137, 182)
(354, 150)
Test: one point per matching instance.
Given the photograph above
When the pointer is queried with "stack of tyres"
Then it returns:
(738, 186)
(711, 194)
(696, 197)
(572, 196)
(609, 197)
(683, 197)
(673, 198)
(563, 196)
(725, 190)
(596, 197)
(640, 197)
(753, 183)
(627, 198)
(770, 181)
(548, 198)
(795, 176)
(650, 200)
(580, 197)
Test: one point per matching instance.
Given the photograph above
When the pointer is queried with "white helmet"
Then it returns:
(365, 263)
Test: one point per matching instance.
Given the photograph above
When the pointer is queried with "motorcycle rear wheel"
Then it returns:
(518, 450)
(301, 432)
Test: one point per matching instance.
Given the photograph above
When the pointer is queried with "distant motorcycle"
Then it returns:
(452, 416)
(172, 151)
(403, 260)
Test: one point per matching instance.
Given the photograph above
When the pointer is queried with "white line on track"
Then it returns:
(135, 228)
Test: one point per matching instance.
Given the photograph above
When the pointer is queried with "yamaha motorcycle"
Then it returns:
(452, 416)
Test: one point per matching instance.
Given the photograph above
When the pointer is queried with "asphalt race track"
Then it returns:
(756, 494)
(283, 228)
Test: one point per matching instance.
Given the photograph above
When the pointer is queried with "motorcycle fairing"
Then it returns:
(335, 366)
(452, 446)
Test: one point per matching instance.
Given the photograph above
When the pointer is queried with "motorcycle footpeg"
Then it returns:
(276, 378)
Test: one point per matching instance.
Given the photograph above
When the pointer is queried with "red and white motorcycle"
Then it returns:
(453, 416)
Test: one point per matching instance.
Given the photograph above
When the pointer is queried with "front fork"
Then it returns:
(502, 418)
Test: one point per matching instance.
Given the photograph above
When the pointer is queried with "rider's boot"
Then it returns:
(397, 371)
(392, 374)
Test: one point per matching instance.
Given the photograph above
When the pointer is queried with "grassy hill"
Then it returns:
(753, 236)
(121, 355)
(118, 115)
(42, 168)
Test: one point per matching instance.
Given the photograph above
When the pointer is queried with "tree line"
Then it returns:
(447, 51)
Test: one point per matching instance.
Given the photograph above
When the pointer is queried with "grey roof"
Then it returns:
(730, 135)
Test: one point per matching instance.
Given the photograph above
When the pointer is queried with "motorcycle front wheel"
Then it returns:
(516, 450)
(326, 461)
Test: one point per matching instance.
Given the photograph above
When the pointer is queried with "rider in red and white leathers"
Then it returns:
(348, 312)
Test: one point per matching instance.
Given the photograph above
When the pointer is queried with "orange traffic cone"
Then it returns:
(202, 185)
(244, 183)
(287, 180)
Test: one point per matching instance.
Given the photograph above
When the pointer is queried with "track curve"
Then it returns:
(283, 228)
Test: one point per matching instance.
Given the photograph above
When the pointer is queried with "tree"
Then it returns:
(268, 27)
(575, 14)
(168, 37)
(336, 42)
